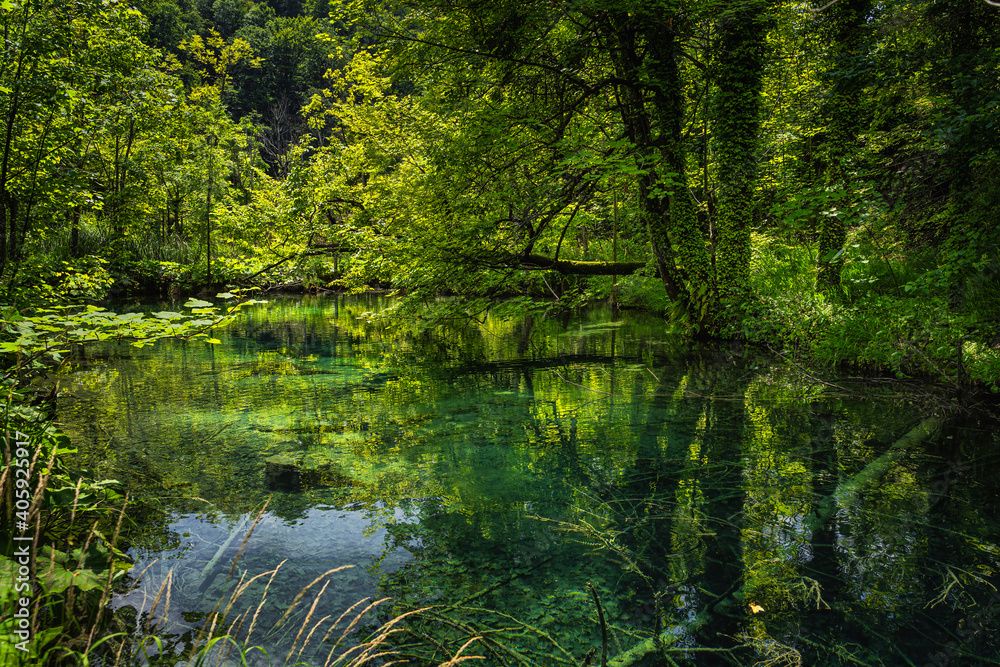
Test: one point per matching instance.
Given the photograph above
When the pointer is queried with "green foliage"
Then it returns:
(909, 336)
(33, 341)
(73, 519)
(432, 149)
(909, 331)
(45, 280)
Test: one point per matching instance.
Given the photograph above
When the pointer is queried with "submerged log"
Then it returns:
(844, 494)
(207, 572)
(281, 473)
(668, 637)
(847, 490)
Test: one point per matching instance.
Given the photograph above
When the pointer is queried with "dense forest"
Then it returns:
(817, 177)
(820, 181)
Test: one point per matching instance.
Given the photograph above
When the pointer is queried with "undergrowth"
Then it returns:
(877, 322)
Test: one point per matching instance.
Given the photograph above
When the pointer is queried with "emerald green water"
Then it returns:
(494, 470)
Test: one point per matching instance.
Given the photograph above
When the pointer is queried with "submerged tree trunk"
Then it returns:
(845, 492)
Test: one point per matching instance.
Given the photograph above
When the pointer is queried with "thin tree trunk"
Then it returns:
(846, 21)
(208, 219)
(74, 233)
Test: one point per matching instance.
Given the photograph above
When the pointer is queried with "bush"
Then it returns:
(45, 280)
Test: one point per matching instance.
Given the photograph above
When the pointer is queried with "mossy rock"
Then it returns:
(281, 473)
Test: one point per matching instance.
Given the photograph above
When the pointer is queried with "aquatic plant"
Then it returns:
(76, 566)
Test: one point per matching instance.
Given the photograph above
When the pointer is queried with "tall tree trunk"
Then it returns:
(74, 233)
(846, 23)
(736, 127)
(651, 103)
(638, 127)
(208, 219)
(683, 231)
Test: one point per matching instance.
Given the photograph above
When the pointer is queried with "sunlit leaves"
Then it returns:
(50, 332)
(218, 57)
(197, 303)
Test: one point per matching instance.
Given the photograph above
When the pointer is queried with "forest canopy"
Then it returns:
(818, 177)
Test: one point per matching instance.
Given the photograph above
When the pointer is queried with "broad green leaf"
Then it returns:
(197, 303)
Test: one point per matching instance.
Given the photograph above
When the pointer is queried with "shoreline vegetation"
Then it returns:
(819, 180)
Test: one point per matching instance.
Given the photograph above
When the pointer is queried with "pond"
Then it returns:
(556, 487)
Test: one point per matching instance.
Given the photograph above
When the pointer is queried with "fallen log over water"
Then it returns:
(580, 267)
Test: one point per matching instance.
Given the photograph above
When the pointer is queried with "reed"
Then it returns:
(77, 568)
(217, 644)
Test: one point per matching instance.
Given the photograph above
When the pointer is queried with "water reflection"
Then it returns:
(216, 560)
(499, 468)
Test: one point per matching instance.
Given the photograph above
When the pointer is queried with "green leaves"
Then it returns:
(197, 303)
(51, 332)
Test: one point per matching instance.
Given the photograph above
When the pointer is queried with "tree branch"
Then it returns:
(578, 267)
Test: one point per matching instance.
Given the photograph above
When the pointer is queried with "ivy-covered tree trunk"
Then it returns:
(846, 25)
(651, 103)
(735, 132)
(638, 127)
(687, 242)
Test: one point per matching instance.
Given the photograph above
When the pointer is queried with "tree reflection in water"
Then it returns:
(501, 467)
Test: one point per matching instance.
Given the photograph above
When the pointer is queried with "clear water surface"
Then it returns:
(511, 475)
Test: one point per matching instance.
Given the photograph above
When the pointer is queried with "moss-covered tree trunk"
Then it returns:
(846, 26)
(651, 104)
(683, 231)
(735, 133)
(632, 106)
(651, 100)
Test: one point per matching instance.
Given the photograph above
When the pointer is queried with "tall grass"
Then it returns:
(94, 239)
(77, 569)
